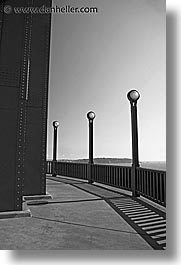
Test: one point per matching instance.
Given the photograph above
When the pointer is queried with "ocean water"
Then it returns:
(158, 165)
(152, 165)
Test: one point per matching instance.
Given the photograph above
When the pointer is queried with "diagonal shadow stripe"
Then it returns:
(151, 231)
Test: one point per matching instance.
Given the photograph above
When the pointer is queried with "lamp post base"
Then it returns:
(135, 194)
(90, 181)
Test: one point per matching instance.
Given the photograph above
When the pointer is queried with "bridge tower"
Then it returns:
(24, 72)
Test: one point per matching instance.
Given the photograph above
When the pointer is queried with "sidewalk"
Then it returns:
(74, 219)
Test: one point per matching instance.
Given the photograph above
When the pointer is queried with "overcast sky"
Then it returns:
(95, 60)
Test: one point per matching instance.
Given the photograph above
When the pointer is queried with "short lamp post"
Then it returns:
(55, 129)
(133, 97)
(91, 116)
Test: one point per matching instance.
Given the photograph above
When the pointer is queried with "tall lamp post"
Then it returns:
(133, 96)
(91, 116)
(55, 128)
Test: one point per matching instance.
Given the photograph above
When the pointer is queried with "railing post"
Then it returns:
(91, 116)
(55, 128)
(133, 96)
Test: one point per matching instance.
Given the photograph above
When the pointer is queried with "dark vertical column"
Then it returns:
(134, 126)
(55, 128)
(55, 144)
(37, 101)
(24, 71)
(91, 116)
(91, 159)
(133, 96)
(12, 107)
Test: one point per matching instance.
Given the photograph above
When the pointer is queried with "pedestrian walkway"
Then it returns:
(84, 216)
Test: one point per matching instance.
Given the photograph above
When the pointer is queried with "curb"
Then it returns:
(37, 197)
(15, 214)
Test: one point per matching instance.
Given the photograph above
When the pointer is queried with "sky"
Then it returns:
(95, 60)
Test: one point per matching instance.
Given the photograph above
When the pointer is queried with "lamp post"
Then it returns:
(91, 116)
(55, 128)
(133, 96)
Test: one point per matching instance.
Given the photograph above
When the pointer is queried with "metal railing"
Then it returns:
(149, 183)
(152, 184)
(74, 170)
(49, 167)
(117, 176)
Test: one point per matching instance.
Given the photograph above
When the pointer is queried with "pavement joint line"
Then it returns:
(75, 201)
(86, 200)
(88, 226)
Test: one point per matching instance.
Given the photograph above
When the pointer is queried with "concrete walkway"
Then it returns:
(75, 219)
